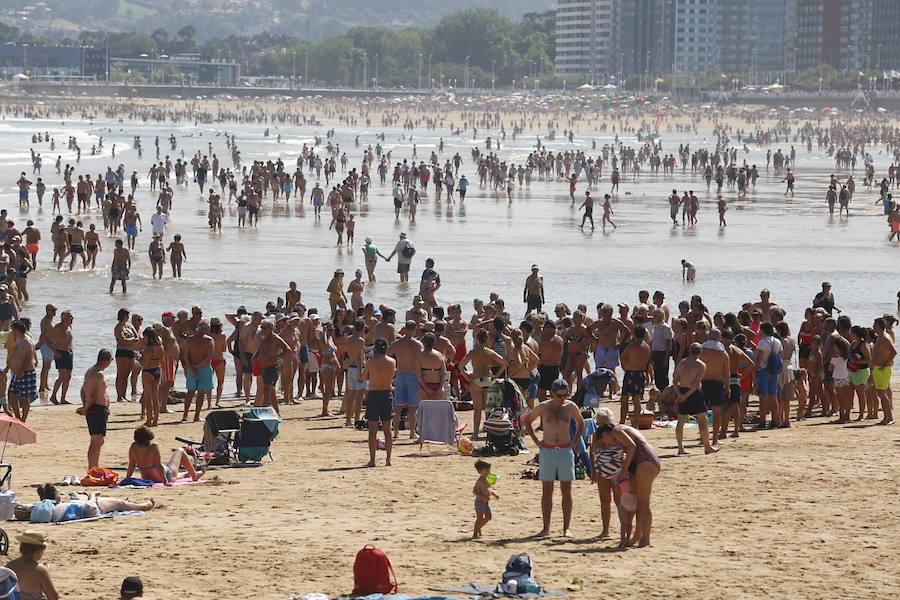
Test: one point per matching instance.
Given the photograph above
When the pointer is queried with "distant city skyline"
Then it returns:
(606, 39)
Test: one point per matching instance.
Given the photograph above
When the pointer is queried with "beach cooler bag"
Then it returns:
(373, 573)
(7, 505)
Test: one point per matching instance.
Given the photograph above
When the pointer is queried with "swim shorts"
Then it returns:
(24, 386)
(379, 406)
(482, 508)
(606, 358)
(859, 377)
(633, 383)
(547, 375)
(713, 391)
(270, 374)
(556, 464)
(766, 383)
(407, 389)
(692, 405)
(201, 380)
(96, 417)
(881, 377)
(65, 360)
(46, 353)
(355, 382)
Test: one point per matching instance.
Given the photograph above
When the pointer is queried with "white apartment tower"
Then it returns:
(583, 38)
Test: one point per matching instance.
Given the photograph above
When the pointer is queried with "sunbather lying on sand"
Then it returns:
(144, 455)
(86, 506)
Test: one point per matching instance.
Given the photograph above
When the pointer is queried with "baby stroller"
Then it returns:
(7, 504)
(593, 386)
(504, 404)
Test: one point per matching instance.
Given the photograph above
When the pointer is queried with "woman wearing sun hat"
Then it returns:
(34, 578)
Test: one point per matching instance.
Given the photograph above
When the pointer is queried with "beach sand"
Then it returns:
(808, 512)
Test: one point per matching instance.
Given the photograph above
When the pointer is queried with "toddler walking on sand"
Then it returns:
(483, 495)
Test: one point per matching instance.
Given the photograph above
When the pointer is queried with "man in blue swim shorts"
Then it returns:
(557, 455)
(406, 395)
(198, 371)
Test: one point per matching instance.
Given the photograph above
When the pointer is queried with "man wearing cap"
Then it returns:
(379, 373)
(687, 378)
(557, 455)
(405, 252)
(533, 294)
(32, 576)
(406, 351)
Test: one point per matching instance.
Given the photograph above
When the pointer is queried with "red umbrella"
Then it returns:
(14, 431)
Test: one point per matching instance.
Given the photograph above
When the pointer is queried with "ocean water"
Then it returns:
(786, 245)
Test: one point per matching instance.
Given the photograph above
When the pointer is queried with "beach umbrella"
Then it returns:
(13, 431)
(20, 77)
(586, 87)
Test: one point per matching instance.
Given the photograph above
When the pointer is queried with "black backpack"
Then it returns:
(408, 250)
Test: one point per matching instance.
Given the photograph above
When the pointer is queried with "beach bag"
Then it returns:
(518, 568)
(373, 573)
(97, 476)
(775, 364)
(7, 505)
(408, 250)
(42, 512)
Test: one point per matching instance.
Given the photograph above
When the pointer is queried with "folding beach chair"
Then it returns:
(219, 431)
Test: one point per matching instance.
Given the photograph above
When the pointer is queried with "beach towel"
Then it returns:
(176, 483)
(135, 483)
(107, 515)
(436, 422)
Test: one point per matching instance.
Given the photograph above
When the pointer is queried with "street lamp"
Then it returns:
(493, 73)
(375, 81)
(429, 71)
(420, 70)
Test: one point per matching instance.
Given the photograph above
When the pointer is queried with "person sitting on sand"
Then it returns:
(144, 455)
(34, 578)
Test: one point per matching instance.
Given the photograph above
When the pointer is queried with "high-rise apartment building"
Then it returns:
(695, 35)
(584, 38)
(643, 37)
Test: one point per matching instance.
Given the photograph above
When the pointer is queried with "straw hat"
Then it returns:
(33, 538)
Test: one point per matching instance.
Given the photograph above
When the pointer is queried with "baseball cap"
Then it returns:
(559, 385)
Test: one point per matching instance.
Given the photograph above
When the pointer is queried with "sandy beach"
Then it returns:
(801, 513)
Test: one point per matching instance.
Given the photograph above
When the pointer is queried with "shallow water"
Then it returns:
(789, 246)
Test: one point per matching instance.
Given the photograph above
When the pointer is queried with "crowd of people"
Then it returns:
(735, 369)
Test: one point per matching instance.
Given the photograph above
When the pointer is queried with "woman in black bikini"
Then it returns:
(126, 340)
(152, 352)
